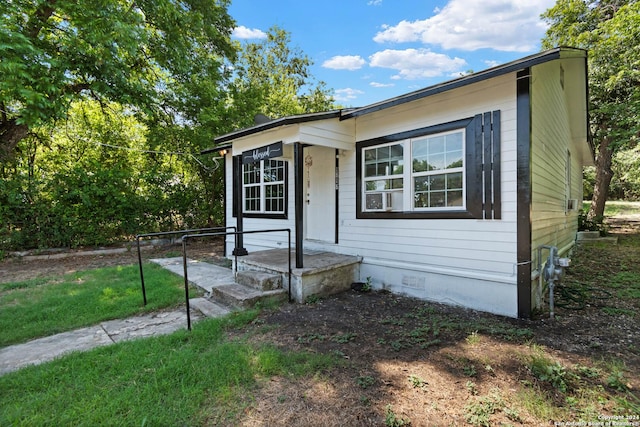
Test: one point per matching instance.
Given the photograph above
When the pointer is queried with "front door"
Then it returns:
(320, 193)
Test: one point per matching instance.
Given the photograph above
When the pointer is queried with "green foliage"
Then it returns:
(553, 373)
(105, 171)
(313, 299)
(591, 224)
(478, 413)
(365, 381)
(344, 338)
(616, 378)
(625, 184)
(94, 182)
(153, 55)
(609, 30)
(417, 382)
(273, 78)
(391, 419)
(309, 337)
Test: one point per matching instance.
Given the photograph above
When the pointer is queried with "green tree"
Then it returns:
(152, 55)
(274, 79)
(610, 31)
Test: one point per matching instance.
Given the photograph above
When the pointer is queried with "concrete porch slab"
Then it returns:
(313, 261)
(323, 273)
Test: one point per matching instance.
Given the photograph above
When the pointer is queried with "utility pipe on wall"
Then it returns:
(553, 271)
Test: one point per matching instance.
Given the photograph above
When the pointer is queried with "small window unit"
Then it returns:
(572, 204)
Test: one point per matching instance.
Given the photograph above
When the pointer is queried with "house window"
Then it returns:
(438, 171)
(384, 177)
(450, 170)
(263, 185)
(434, 181)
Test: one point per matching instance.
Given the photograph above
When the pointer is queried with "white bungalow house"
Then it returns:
(443, 194)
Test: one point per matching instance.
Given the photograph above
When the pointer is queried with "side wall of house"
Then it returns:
(556, 169)
(468, 262)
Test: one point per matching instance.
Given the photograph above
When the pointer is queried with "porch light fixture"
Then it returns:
(223, 152)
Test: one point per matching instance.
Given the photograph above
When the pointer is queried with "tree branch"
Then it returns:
(41, 15)
(11, 133)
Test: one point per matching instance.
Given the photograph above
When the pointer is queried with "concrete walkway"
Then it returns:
(45, 349)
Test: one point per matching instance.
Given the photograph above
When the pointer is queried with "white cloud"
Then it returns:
(374, 3)
(492, 63)
(377, 84)
(245, 33)
(416, 63)
(346, 62)
(347, 94)
(505, 25)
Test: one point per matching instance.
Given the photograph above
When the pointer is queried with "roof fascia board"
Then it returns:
(510, 67)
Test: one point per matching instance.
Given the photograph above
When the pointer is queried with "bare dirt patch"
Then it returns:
(407, 361)
(51, 263)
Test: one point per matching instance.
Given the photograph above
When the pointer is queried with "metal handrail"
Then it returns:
(167, 233)
(236, 233)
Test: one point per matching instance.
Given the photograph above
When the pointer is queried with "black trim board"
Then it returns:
(239, 250)
(337, 210)
(298, 177)
(523, 142)
(224, 200)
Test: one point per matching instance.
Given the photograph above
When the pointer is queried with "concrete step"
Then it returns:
(259, 280)
(242, 296)
(208, 308)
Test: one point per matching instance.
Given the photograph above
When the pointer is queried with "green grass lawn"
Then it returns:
(186, 378)
(616, 207)
(47, 306)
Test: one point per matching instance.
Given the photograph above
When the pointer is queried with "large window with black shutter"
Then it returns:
(450, 170)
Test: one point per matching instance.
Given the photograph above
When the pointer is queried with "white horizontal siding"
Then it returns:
(335, 134)
(444, 251)
(459, 246)
(551, 138)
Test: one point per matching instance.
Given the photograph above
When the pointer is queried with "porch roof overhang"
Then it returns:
(226, 140)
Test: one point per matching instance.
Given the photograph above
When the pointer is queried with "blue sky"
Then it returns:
(371, 50)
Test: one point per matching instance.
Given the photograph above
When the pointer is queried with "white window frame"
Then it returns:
(261, 185)
(389, 196)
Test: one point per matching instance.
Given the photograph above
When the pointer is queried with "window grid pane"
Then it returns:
(252, 199)
(384, 161)
(437, 169)
(383, 177)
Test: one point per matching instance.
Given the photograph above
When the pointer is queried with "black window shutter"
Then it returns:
(490, 159)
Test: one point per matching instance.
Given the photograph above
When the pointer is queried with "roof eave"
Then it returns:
(284, 121)
(529, 61)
